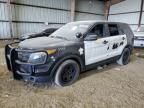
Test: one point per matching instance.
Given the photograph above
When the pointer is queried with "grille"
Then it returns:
(139, 38)
(25, 69)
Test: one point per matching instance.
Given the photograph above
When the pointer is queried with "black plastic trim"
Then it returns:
(110, 60)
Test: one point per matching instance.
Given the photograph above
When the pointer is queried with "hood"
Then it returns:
(44, 42)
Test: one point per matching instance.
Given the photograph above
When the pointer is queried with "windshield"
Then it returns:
(69, 30)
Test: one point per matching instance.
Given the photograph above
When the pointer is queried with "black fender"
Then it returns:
(130, 47)
(63, 58)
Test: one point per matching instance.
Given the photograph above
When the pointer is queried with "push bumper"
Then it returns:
(24, 71)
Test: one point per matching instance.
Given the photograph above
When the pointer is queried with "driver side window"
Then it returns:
(97, 30)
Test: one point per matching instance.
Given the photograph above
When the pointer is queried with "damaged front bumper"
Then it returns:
(26, 71)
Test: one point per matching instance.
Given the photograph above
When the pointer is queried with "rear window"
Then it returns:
(113, 29)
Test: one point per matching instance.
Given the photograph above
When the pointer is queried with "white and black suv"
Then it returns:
(74, 48)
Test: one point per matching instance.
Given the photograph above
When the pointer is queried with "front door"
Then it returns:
(96, 49)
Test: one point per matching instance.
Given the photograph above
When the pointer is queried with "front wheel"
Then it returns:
(125, 57)
(67, 73)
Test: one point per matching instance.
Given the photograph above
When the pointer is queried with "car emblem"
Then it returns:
(81, 51)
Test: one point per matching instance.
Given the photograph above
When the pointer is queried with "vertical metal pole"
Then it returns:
(10, 18)
(141, 12)
(107, 8)
(73, 2)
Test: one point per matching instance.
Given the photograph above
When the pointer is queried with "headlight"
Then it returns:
(37, 58)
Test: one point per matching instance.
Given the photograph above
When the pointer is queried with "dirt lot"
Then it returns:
(112, 87)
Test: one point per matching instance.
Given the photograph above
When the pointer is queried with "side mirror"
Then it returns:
(79, 35)
(91, 37)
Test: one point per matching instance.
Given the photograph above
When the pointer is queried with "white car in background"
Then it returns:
(139, 37)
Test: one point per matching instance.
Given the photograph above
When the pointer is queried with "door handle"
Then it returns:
(105, 42)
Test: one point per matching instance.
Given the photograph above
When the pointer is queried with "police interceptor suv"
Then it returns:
(74, 48)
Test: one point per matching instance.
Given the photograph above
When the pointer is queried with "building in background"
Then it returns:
(128, 11)
(33, 15)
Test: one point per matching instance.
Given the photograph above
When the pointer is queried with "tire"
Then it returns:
(125, 57)
(67, 73)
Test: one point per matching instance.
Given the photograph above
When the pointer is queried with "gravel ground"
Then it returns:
(112, 87)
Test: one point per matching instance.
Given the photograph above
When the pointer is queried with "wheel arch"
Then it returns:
(64, 58)
(130, 47)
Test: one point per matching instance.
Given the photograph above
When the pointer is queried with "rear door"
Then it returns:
(117, 40)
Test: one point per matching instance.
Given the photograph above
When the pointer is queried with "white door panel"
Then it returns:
(95, 51)
(121, 42)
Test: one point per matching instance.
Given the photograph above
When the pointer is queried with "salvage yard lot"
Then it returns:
(112, 87)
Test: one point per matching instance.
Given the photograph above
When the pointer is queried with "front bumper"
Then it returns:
(25, 71)
(138, 42)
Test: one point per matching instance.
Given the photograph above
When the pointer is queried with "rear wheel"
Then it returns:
(125, 57)
(67, 73)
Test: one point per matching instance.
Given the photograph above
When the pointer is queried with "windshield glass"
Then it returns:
(69, 30)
